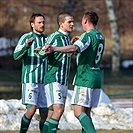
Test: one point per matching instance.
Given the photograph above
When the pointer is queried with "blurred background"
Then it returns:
(116, 24)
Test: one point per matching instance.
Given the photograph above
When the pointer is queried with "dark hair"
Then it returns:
(92, 17)
(33, 16)
(62, 16)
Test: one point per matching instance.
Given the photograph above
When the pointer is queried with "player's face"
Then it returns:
(67, 25)
(38, 25)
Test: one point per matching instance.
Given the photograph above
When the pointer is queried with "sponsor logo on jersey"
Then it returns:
(37, 50)
(69, 54)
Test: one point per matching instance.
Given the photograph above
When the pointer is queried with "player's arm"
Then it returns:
(74, 39)
(66, 49)
(22, 47)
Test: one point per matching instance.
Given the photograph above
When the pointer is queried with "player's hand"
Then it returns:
(48, 49)
(29, 42)
(74, 39)
(47, 46)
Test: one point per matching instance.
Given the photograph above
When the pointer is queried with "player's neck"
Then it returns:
(91, 27)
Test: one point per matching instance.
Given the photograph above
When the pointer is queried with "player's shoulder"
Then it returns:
(53, 36)
(93, 33)
(83, 36)
(28, 34)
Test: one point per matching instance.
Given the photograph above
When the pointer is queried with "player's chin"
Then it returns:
(41, 29)
(71, 29)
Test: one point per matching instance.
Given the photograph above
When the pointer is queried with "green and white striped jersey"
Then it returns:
(33, 67)
(58, 62)
(91, 46)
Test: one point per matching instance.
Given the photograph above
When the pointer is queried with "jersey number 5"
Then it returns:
(59, 94)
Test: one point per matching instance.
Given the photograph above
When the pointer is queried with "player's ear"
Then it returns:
(32, 25)
(60, 23)
(85, 20)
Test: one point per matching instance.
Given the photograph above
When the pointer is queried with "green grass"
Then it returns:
(123, 77)
(118, 83)
(13, 76)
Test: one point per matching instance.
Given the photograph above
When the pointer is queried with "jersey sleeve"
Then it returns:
(20, 49)
(83, 42)
(52, 39)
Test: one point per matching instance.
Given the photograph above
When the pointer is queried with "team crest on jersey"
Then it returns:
(37, 50)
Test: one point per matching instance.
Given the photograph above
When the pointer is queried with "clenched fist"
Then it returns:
(29, 42)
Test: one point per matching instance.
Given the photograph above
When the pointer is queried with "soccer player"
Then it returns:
(33, 71)
(90, 47)
(56, 78)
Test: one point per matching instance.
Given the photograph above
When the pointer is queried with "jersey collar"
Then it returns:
(65, 33)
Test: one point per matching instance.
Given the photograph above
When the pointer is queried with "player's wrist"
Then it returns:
(27, 46)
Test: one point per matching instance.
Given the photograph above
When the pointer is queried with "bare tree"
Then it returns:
(115, 36)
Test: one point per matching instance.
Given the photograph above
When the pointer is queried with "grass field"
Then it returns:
(118, 83)
(76, 131)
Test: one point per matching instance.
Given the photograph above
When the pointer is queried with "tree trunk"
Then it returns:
(115, 36)
(68, 6)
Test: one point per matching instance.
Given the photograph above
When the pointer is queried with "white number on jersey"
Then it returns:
(99, 53)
